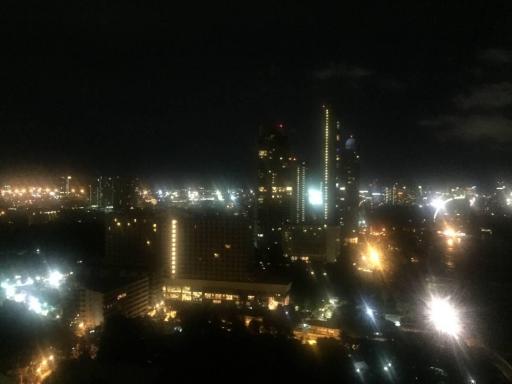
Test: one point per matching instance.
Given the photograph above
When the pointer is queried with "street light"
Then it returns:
(439, 205)
(444, 316)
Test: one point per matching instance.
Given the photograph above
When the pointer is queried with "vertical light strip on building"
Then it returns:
(174, 224)
(303, 195)
(326, 165)
(298, 197)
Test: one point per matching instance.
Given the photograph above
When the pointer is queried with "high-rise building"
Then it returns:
(209, 259)
(300, 194)
(277, 185)
(208, 246)
(103, 195)
(332, 161)
(119, 193)
(350, 182)
(65, 185)
(126, 193)
(132, 240)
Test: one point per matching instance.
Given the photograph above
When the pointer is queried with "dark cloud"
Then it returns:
(342, 70)
(480, 112)
(496, 129)
(486, 96)
(497, 56)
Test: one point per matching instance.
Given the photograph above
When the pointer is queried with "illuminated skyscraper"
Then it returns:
(126, 195)
(277, 185)
(300, 190)
(104, 192)
(350, 183)
(331, 183)
(327, 153)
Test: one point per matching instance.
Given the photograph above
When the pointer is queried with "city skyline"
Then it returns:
(277, 192)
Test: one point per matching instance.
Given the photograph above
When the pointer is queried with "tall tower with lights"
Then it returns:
(277, 185)
(350, 182)
(300, 193)
(331, 181)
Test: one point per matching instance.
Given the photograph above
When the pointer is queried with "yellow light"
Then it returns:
(449, 232)
(371, 259)
(374, 255)
(173, 246)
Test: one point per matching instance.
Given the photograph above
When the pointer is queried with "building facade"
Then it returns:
(279, 178)
(132, 240)
(210, 246)
(332, 168)
(350, 182)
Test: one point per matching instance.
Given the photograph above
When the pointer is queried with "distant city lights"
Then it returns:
(28, 291)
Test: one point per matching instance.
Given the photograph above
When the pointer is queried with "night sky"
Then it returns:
(177, 93)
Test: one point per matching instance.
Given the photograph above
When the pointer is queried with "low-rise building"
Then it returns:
(311, 332)
(102, 298)
(269, 295)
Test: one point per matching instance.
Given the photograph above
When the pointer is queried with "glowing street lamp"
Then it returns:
(444, 316)
(371, 259)
(55, 279)
(439, 205)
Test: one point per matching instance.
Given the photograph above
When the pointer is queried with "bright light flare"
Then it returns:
(55, 279)
(449, 232)
(369, 312)
(371, 259)
(439, 205)
(452, 236)
(29, 291)
(315, 196)
(444, 316)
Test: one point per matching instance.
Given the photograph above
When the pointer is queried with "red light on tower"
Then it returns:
(280, 125)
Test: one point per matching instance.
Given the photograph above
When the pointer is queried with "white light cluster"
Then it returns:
(25, 291)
